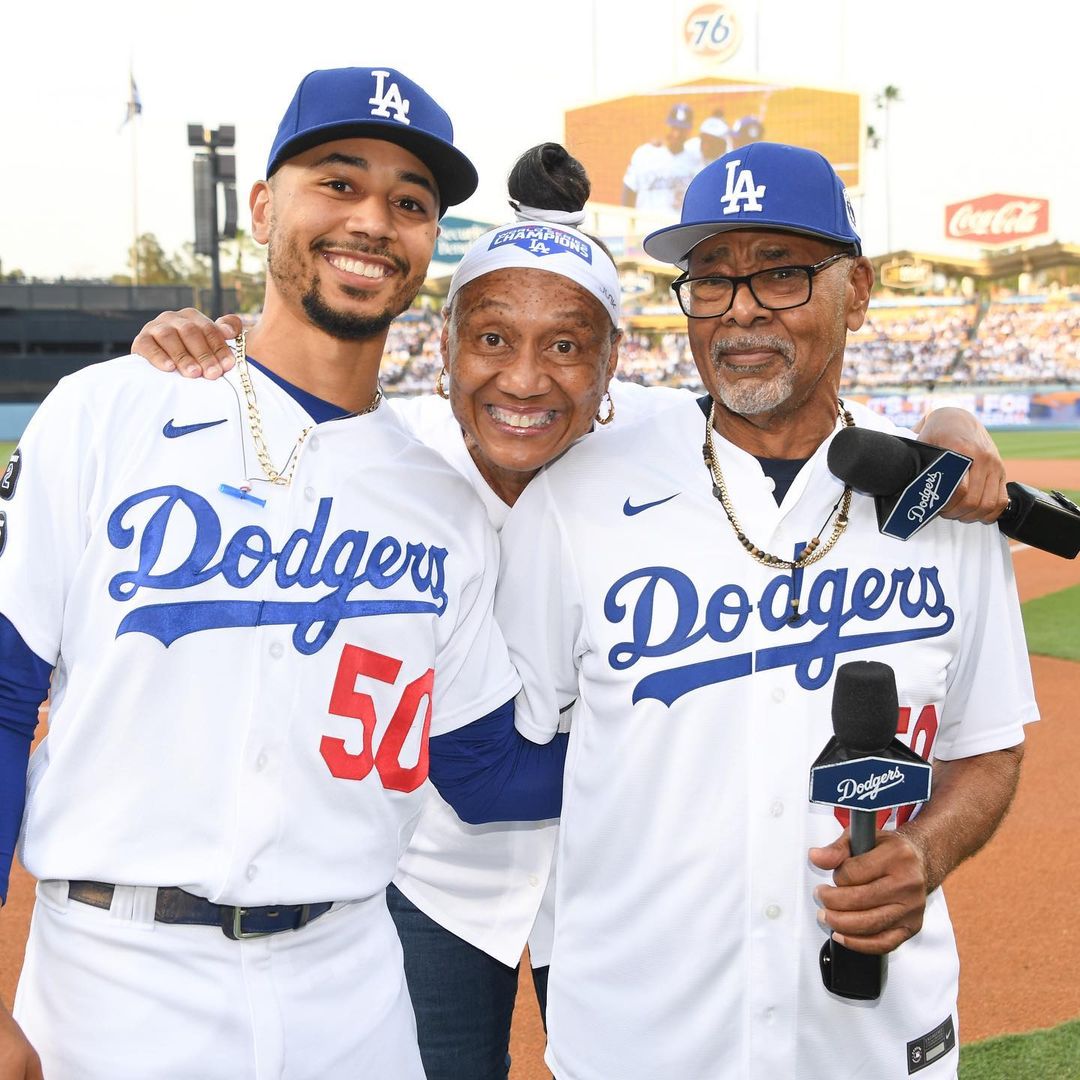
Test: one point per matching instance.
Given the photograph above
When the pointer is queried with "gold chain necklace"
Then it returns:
(262, 451)
(814, 549)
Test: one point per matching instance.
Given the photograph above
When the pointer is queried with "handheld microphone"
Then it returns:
(864, 769)
(911, 482)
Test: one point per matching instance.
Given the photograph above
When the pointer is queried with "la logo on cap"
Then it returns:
(741, 194)
(387, 99)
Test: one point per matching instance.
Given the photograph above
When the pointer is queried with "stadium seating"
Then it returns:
(931, 342)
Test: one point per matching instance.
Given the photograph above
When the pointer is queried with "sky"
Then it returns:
(989, 99)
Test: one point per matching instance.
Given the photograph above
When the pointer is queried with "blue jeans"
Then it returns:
(463, 998)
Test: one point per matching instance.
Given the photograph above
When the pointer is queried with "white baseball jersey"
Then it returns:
(485, 883)
(660, 178)
(686, 943)
(243, 693)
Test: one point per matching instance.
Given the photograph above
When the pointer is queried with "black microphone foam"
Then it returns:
(865, 708)
(873, 462)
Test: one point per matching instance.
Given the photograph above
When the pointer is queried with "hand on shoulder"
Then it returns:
(189, 342)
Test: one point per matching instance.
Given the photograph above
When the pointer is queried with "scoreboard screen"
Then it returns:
(643, 149)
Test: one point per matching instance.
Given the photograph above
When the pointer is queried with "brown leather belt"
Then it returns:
(174, 905)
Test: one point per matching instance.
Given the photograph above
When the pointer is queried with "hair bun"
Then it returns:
(548, 177)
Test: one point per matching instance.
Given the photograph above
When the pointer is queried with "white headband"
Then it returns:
(556, 217)
(542, 245)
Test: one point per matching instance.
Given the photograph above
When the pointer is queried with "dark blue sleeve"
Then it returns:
(24, 685)
(489, 771)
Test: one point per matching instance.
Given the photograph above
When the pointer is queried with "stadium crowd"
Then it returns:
(412, 358)
(908, 345)
(915, 345)
(1024, 343)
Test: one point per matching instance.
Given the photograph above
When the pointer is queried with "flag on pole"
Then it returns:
(134, 104)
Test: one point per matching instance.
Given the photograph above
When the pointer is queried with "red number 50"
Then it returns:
(346, 700)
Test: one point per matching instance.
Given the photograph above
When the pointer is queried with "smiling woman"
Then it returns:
(531, 335)
(531, 338)
(530, 344)
(530, 356)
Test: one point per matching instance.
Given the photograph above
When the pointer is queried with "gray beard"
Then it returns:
(749, 396)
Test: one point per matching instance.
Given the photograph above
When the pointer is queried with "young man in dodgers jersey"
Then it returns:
(689, 918)
(260, 597)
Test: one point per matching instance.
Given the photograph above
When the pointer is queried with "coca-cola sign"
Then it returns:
(997, 219)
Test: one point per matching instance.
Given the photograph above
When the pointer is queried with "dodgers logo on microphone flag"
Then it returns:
(921, 500)
(873, 783)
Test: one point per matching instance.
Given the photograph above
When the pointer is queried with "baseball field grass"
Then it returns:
(1052, 625)
(1053, 1054)
(1063, 443)
(1052, 622)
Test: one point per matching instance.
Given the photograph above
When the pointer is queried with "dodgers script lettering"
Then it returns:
(841, 607)
(308, 561)
(871, 787)
(928, 497)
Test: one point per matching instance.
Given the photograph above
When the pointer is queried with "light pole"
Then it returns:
(885, 100)
(210, 169)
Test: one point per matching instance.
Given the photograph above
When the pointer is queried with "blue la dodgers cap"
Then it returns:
(374, 103)
(762, 186)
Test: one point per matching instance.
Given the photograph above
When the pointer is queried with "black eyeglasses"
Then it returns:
(776, 289)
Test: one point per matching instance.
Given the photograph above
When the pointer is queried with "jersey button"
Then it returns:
(776, 809)
(277, 650)
(261, 762)
(309, 494)
(313, 442)
(252, 872)
(778, 694)
(534, 880)
(772, 911)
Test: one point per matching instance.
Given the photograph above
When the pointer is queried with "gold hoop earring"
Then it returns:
(611, 410)
(440, 384)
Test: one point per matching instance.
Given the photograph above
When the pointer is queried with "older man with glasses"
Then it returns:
(696, 613)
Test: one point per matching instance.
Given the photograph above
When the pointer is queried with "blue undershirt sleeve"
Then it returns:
(24, 685)
(488, 771)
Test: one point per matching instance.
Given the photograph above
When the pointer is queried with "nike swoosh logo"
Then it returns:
(172, 431)
(629, 510)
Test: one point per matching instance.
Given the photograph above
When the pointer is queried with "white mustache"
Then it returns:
(753, 343)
